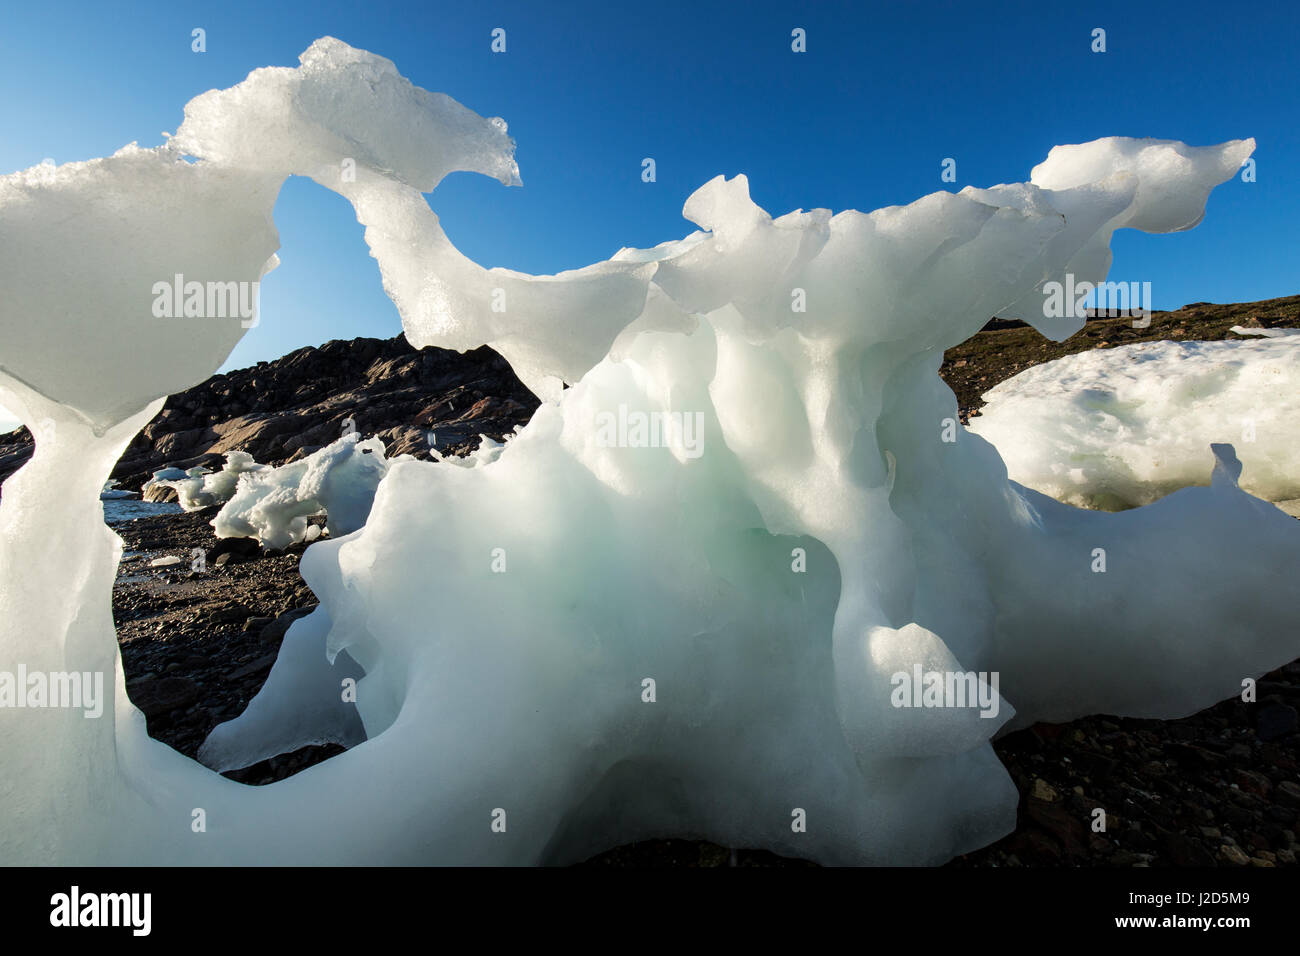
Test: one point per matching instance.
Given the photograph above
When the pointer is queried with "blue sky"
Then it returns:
(862, 119)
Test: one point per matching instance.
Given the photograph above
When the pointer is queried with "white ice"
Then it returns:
(488, 451)
(111, 491)
(597, 643)
(171, 473)
(200, 488)
(273, 504)
(1116, 428)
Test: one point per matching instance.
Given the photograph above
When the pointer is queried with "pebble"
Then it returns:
(1288, 793)
(1233, 855)
(1042, 790)
(1275, 721)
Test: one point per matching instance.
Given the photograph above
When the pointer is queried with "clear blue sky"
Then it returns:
(862, 119)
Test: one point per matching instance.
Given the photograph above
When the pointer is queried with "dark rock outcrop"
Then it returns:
(284, 410)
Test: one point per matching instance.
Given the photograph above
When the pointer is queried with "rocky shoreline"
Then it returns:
(416, 400)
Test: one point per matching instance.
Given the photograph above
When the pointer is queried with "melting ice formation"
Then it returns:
(273, 505)
(1122, 427)
(578, 645)
(199, 487)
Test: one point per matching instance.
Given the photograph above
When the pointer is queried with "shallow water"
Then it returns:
(117, 510)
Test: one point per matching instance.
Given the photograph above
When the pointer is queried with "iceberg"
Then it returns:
(199, 488)
(577, 642)
(273, 504)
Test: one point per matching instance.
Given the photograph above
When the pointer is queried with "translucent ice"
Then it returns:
(599, 635)
(1122, 427)
(301, 705)
(88, 338)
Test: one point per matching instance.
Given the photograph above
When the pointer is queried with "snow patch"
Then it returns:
(1116, 428)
